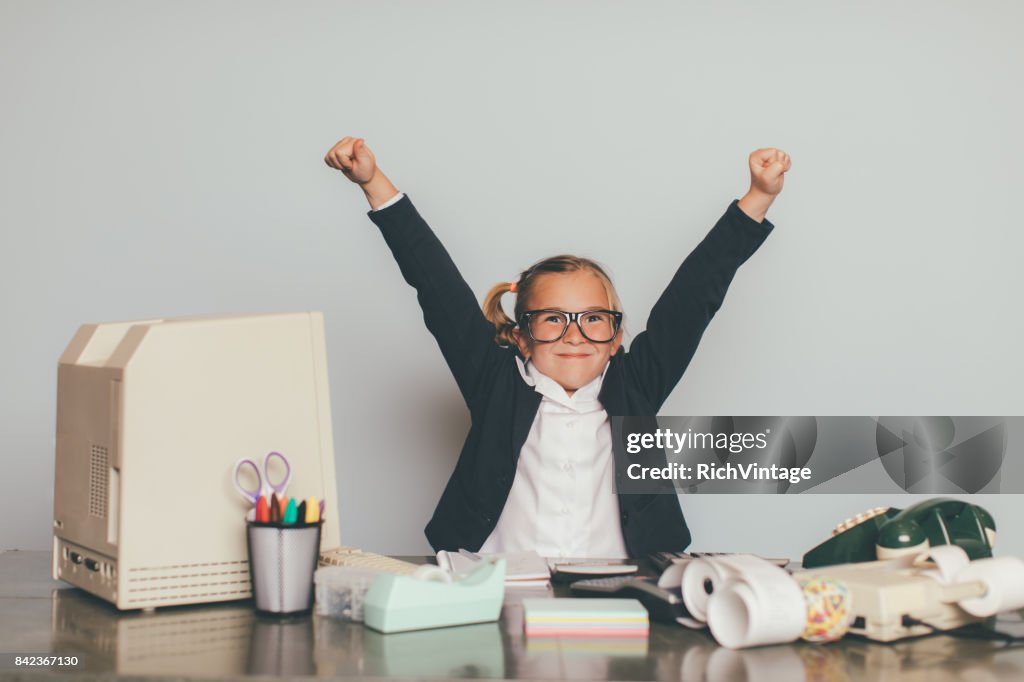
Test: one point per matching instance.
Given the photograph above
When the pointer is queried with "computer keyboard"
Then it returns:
(358, 558)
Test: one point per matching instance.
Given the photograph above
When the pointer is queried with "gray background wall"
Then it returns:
(161, 159)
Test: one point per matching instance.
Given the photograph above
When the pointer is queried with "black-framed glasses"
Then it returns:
(549, 325)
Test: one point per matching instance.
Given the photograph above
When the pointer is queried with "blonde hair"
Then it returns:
(523, 286)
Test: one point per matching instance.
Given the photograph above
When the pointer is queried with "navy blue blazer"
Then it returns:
(502, 406)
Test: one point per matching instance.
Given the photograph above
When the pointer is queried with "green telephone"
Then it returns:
(887, 533)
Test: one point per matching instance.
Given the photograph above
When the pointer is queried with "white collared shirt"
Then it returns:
(563, 503)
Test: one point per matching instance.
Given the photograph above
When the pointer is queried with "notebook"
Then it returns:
(585, 618)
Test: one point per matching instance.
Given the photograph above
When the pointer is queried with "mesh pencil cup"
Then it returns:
(282, 560)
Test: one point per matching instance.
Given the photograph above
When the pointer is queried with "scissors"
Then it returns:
(264, 484)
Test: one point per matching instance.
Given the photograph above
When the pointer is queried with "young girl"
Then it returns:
(537, 469)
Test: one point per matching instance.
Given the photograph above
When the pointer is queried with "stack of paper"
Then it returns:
(523, 569)
(585, 618)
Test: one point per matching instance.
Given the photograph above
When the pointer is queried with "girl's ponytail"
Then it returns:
(495, 313)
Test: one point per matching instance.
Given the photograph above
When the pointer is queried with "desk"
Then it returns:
(39, 615)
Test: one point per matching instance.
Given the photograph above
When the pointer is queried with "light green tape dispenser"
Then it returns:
(398, 603)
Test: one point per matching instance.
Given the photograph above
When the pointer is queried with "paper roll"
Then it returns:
(774, 587)
(766, 607)
(432, 573)
(701, 578)
(1004, 586)
(949, 560)
(672, 577)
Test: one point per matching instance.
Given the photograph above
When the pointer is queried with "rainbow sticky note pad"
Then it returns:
(585, 618)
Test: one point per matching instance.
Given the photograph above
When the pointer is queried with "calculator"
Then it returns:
(662, 604)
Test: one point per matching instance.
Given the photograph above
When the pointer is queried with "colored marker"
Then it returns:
(290, 513)
(300, 514)
(312, 511)
(321, 516)
(275, 509)
(262, 510)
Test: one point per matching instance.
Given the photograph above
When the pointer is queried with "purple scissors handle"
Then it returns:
(251, 494)
(281, 486)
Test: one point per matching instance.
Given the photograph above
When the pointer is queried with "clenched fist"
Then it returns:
(767, 170)
(353, 158)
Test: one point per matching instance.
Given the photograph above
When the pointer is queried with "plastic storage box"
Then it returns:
(340, 591)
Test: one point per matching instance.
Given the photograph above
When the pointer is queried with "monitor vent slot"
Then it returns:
(98, 472)
(189, 583)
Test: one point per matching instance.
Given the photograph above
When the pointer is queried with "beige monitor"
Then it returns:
(151, 417)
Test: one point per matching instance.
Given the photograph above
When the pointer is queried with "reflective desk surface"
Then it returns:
(41, 616)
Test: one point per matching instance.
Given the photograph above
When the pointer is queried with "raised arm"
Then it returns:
(450, 309)
(660, 354)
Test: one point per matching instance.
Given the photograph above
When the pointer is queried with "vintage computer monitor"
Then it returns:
(151, 417)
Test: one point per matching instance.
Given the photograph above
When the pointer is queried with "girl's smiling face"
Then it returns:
(572, 361)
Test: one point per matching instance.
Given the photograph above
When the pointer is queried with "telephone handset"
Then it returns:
(887, 533)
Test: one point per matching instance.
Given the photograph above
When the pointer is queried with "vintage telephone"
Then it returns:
(888, 533)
